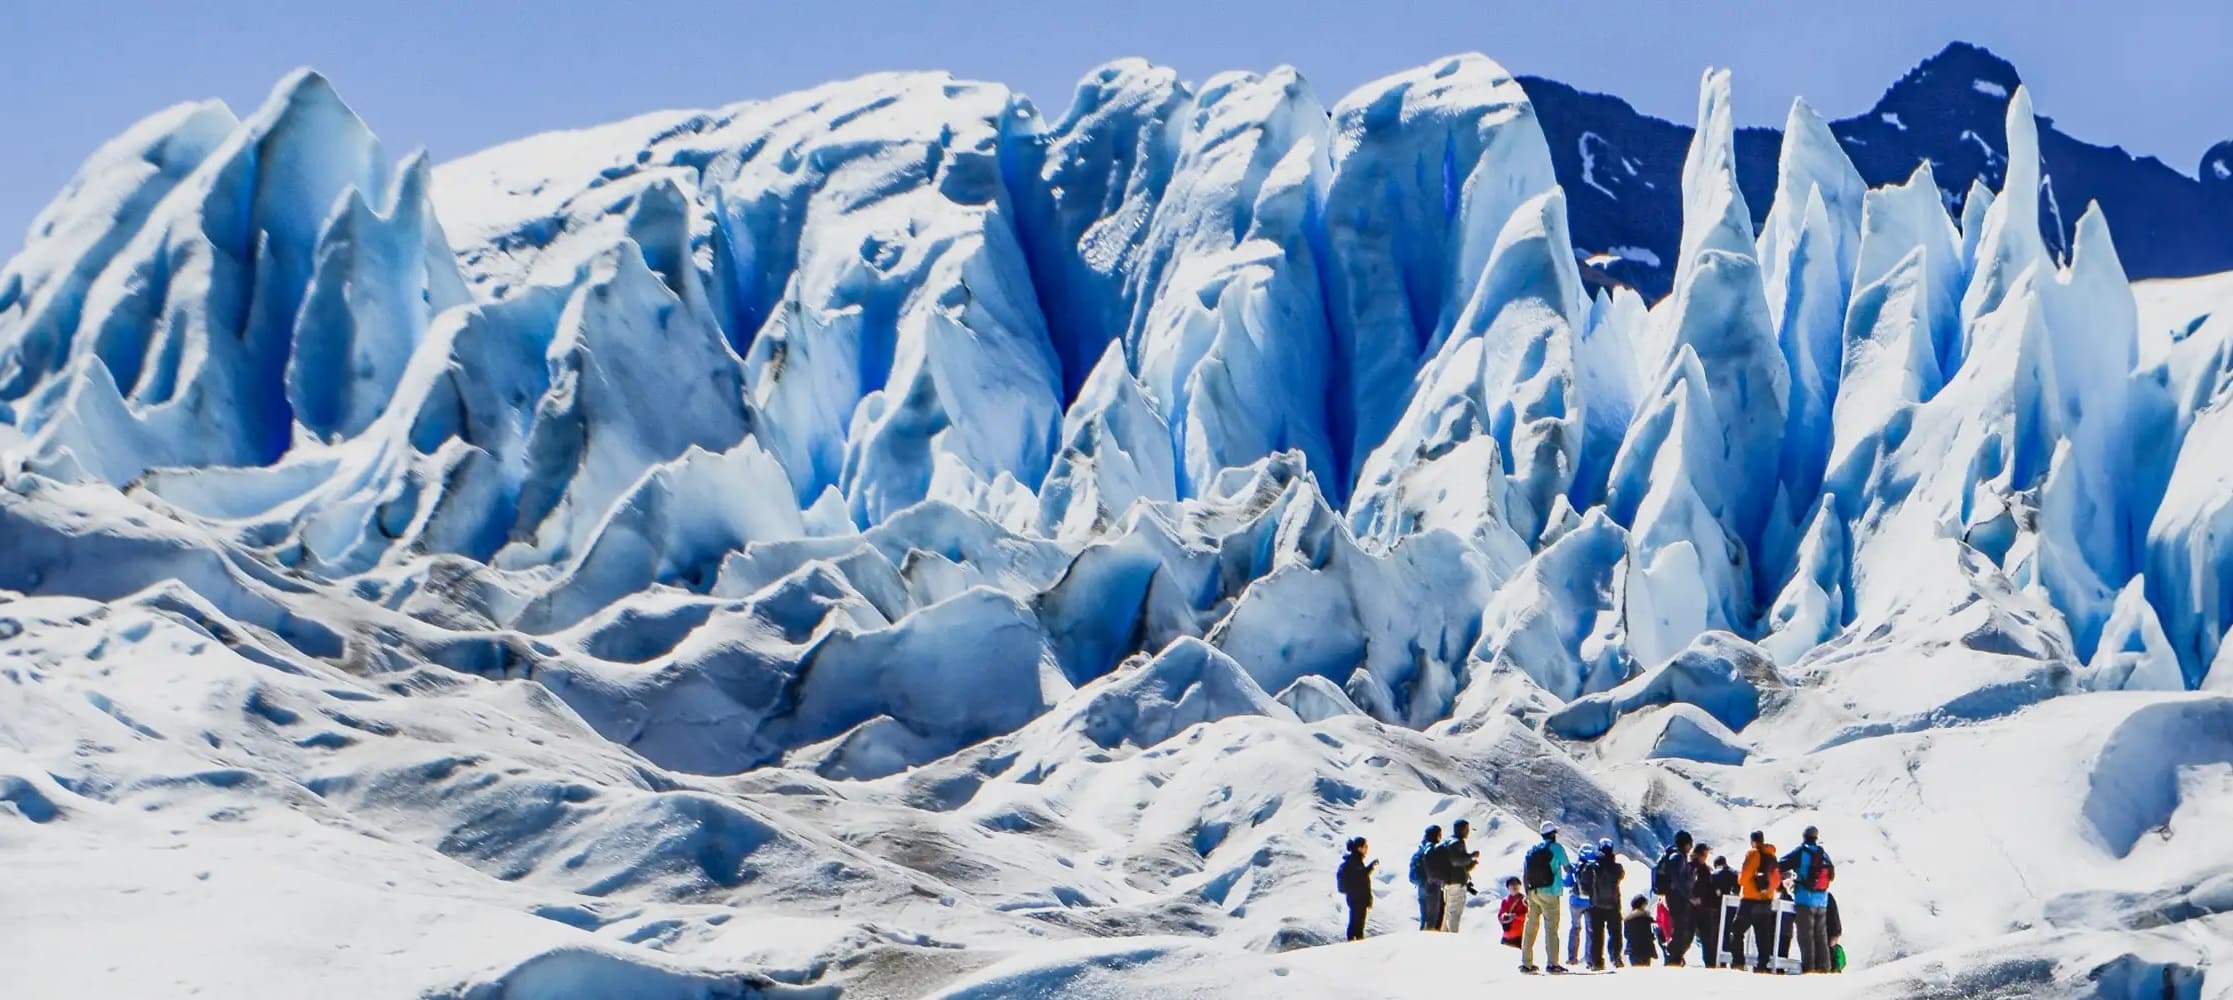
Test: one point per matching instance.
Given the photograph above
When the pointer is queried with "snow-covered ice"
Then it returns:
(888, 541)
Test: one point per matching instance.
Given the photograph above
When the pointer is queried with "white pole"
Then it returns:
(1729, 908)
(1786, 912)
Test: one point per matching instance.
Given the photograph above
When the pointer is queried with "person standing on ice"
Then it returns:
(1604, 914)
(1576, 879)
(1725, 886)
(1756, 912)
(1705, 906)
(1457, 863)
(1428, 879)
(1539, 873)
(1811, 872)
(1354, 879)
(1671, 881)
(1642, 935)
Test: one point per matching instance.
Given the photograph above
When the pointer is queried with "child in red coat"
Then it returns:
(1511, 914)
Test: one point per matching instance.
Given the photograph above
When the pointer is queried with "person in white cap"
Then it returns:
(1539, 874)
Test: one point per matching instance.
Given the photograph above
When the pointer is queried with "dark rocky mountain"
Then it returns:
(1622, 171)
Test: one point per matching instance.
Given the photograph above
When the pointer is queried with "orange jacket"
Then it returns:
(1765, 855)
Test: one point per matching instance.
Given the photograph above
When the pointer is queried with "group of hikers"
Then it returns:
(1685, 905)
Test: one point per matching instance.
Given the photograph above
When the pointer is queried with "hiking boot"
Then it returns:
(1556, 970)
(1529, 969)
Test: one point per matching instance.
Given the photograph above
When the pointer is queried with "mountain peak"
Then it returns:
(1958, 69)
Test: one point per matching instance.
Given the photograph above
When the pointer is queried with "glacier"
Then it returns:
(885, 539)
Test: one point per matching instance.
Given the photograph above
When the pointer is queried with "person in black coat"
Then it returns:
(1705, 906)
(1354, 879)
(1604, 914)
(1672, 879)
(1725, 887)
(1641, 931)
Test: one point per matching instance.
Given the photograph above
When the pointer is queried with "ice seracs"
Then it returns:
(881, 522)
(1427, 166)
(104, 205)
(1722, 403)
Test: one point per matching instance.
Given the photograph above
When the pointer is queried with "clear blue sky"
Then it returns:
(457, 75)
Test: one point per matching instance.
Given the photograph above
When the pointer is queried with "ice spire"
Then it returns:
(1807, 253)
(1810, 161)
(2010, 243)
(1718, 315)
(1714, 212)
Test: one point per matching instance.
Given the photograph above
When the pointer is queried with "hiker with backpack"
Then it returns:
(1539, 873)
(1811, 873)
(1456, 863)
(1428, 879)
(1511, 912)
(1705, 906)
(1577, 902)
(1604, 875)
(1354, 880)
(1756, 912)
(1672, 881)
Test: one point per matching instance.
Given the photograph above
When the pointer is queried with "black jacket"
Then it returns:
(1354, 879)
(1642, 937)
(1604, 890)
(1725, 881)
(1678, 874)
(1457, 862)
(1702, 885)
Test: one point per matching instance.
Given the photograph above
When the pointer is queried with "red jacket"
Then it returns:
(1512, 916)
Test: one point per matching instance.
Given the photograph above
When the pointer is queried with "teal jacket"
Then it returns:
(1559, 863)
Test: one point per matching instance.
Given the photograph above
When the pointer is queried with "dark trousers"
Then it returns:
(1759, 917)
(1814, 939)
(1707, 919)
(1603, 935)
(1430, 906)
(1357, 909)
(1681, 928)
